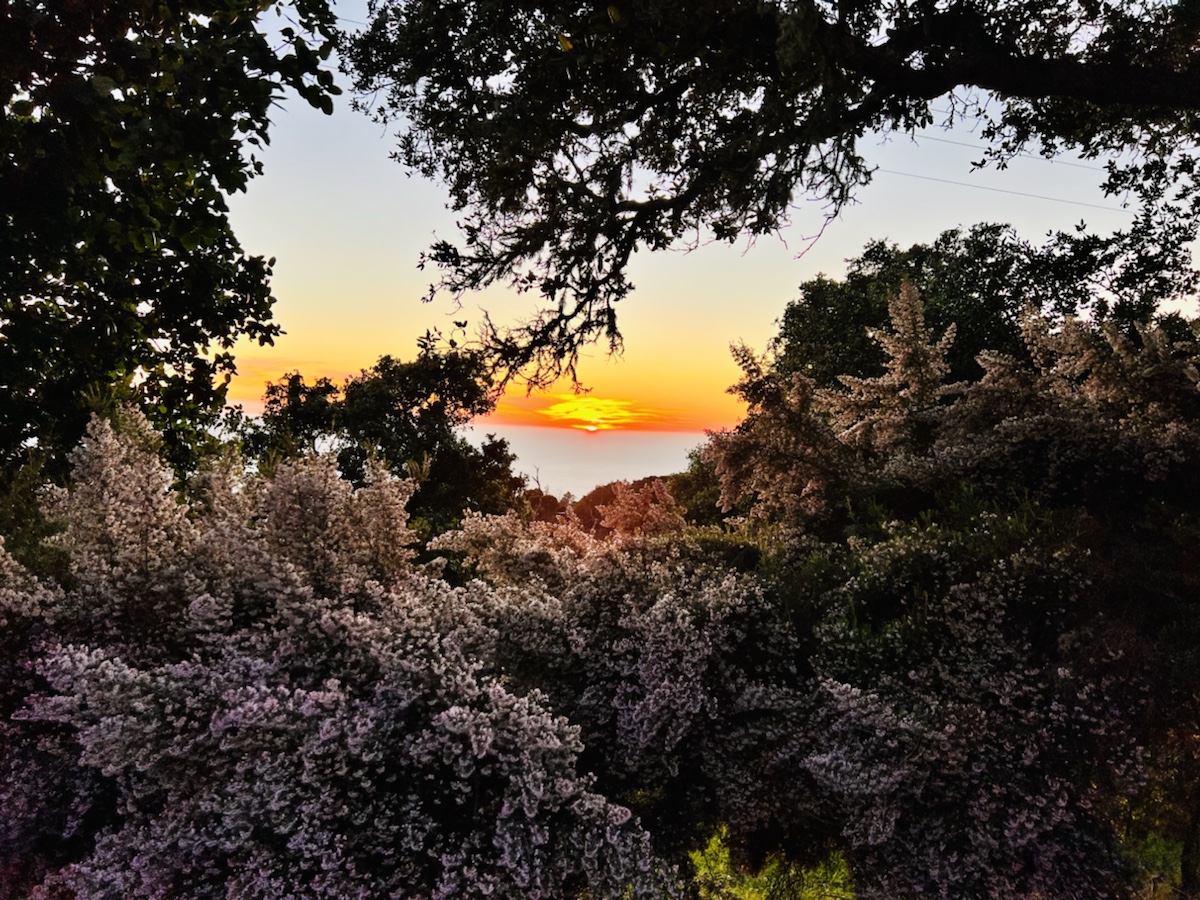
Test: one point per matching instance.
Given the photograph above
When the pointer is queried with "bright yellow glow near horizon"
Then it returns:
(590, 413)
(349, 287)
(626, 396)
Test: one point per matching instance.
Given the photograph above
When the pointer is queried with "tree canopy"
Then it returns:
(409, 415)
(123, 129)
(983, 280)
(572, 135)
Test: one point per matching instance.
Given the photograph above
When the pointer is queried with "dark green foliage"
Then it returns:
(23, 527)
(1070, 473)
(572, 135)
(124, 127)
(296, 415)
(698, 490)
(461, 477)
(982, 281)
(408, 413)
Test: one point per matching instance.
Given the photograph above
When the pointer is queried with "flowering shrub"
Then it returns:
(942, 648)
(642, 511)
(254, 695)
(970, 758)
(1091, 417)
(684, 678)
(987, 712)
(929, 727)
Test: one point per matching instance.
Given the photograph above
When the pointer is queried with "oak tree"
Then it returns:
(409, 415)
(571, 135)
(983, 281)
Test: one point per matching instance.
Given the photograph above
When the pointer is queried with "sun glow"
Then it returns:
(585, 412)
(593, 414)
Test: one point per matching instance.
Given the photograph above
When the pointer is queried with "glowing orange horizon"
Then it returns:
(590, 413)
(593, 414)
(659, 407)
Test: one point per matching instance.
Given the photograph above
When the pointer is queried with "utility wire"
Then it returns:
(950, 112)
(980, 187)
(1056, 162)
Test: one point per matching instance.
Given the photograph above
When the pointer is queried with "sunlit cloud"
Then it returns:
(585, 412)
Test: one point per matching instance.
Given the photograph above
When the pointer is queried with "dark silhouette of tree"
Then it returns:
(572, 135)
(124, 128)
(982, 281)
(408, 413)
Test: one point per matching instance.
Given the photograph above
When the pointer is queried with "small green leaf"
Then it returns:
(103, 85)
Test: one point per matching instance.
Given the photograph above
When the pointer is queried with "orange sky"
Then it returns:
(613, 403)
(596, 412)
(347, 226)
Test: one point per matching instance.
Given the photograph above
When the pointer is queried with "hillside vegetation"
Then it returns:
(950, 649)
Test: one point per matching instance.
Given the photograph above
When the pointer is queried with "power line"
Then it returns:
(963, 115)
(980, 187)
(1056, 162)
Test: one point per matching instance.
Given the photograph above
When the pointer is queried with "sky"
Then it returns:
(346, 225)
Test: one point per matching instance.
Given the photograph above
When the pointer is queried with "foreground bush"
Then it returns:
(252, 694)
(950, 650)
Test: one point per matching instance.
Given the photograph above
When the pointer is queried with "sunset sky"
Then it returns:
(346, 225)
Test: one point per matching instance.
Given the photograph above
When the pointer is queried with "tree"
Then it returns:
(1087, 447)
(124, 128)
(983, 281)
(409, 414)
(572, 135)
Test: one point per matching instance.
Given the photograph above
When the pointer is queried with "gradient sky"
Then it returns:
(346, 225)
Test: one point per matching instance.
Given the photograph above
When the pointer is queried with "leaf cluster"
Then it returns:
(572, 135)
(983, 281)
(123, 130)
(408, 414)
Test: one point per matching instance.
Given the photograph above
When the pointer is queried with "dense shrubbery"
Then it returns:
(951, 644)
(254, 694)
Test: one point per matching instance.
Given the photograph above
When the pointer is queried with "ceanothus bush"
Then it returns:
(254, 694)
(685, 678)
(970, 757)
(248, 688)
(927, 726)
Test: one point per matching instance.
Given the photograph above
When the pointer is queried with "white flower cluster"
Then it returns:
(254, 694)
(1088, 414)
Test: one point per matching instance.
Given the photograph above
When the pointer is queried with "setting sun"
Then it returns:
(585, 412)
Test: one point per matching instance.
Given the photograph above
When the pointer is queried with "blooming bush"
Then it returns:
(990, 713)
(971, 759)
(929, 726)
(253, 694)
(952, 646)
(684, 678)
